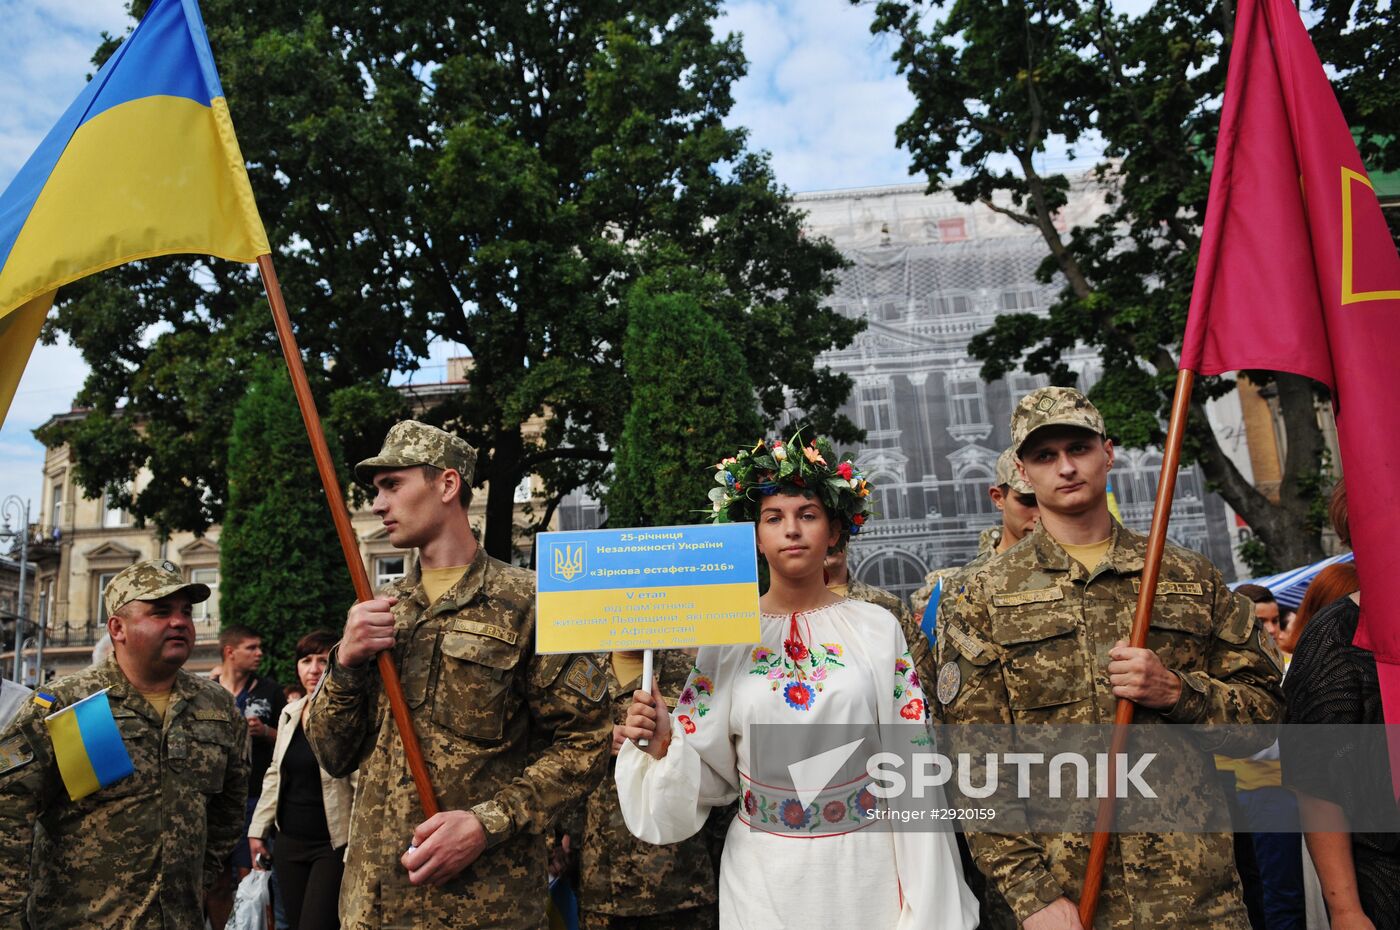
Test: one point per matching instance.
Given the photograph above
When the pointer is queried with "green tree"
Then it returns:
(495, 174)
(692, 404)
(996, 83)
(280, 567)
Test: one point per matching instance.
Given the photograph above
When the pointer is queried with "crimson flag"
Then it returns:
(1298, 273)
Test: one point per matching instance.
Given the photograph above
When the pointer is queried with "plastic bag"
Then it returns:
(251, 901)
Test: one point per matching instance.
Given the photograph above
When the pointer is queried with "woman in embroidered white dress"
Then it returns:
(814, 861)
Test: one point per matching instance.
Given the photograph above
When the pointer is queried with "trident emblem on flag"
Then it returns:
(568, 562)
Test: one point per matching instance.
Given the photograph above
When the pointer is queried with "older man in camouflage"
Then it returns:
(142, 851)
(511, 738)
(1038, 635)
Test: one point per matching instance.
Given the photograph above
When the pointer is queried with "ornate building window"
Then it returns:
(388, 568)
(967, 408)
(207, 612)
(972, 494)
(113, 516)
(57, 512)
(876, 406)
(897, 572)
(1020, 298)
(952, 304)
(889, 498)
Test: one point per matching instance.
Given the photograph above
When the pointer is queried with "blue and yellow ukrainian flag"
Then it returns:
(88, 746)
(1113, 503)
(143, 163)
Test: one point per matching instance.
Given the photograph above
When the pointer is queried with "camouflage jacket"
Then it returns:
(1026, 640)
(987, 542)
(621, 875)
(513, 736)
(141, 852)
(919, 648)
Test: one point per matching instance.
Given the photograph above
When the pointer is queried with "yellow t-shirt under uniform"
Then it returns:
(627, 666)
(436, 581)
(160, 700)
(1089, 556)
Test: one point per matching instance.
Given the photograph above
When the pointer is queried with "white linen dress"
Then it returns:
(785, 863)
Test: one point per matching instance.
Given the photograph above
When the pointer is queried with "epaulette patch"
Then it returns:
(485, 629)
(1018, 598)
(45, 701)
(585, 677)
(15, 753)
(966, 644)
(1172, 587)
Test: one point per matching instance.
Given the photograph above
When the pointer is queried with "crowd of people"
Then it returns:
(643, 806)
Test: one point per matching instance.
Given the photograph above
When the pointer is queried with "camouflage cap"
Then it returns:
(412, 443)
(1009, 474)
(149, 581)
(1052, 406)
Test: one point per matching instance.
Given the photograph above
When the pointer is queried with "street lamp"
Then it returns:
(15, 509)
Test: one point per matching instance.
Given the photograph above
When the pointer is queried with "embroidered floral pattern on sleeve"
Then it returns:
(694, 700)
(908, 690)
(799, 671)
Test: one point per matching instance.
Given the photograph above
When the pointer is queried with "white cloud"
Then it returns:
(821, 94)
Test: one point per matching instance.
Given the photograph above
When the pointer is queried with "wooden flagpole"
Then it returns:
(341, 517)
(1142, 618)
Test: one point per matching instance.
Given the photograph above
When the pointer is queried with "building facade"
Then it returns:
(928, 273)
(89, 542)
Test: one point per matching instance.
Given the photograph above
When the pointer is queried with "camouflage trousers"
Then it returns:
(696, 918)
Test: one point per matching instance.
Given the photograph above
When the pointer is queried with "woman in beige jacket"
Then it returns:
(310, 809)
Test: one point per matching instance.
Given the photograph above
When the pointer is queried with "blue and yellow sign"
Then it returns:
(659, 587)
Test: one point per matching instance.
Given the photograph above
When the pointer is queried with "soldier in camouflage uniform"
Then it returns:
(141, 852)
(1016, 501)
(624, 882)
(511, 738)
(1035, 636)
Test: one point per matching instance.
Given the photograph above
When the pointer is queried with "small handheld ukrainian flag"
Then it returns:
(88, 746)
(929, 621)
(143, 163)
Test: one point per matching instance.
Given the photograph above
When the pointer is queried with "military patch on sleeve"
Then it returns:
(1172, 587)
(1020, 598)
(585, 677)
(966, 644)
(949, 682)
(15, 754)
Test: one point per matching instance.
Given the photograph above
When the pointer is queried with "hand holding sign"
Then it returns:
(649, 721)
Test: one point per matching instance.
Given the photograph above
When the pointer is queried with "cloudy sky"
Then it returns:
(821, 96)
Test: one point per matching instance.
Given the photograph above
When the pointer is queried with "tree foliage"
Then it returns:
(998, 83)
(495, 174)
(280, 571)
(692, 403)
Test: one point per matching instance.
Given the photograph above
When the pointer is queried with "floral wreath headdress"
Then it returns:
(771, 467)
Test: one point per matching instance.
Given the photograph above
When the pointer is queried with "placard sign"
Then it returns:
(657, 587)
